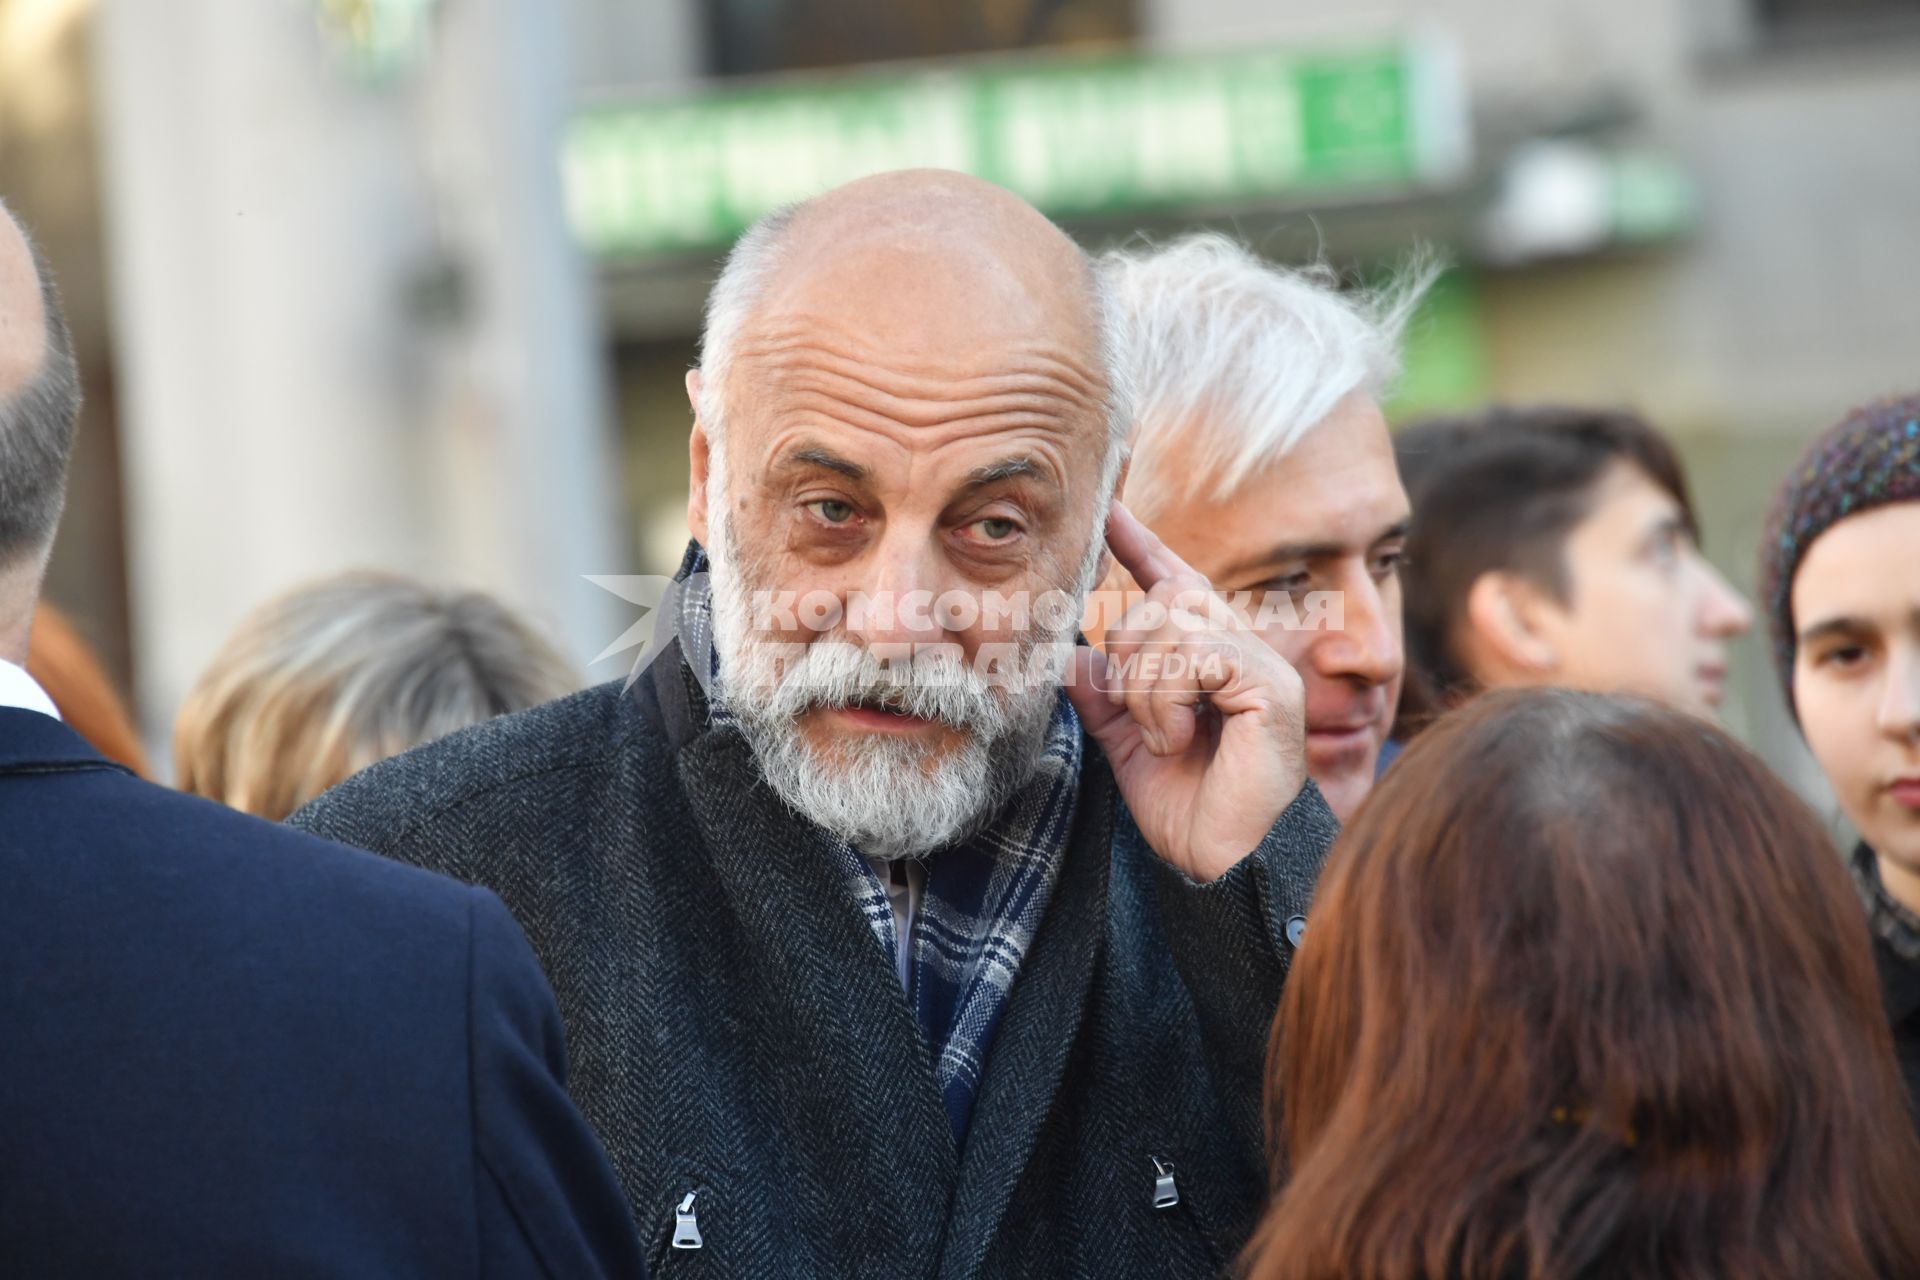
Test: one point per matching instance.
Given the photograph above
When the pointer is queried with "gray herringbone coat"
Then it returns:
(737, 1033)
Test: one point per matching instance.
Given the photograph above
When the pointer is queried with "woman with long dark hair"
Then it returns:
(1586, 995)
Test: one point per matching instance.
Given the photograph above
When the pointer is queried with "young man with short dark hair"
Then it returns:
(1557, 547)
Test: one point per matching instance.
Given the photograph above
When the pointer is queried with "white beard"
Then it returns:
(887, 796)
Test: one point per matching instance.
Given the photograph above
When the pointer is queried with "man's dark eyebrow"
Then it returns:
(812, 456)
(1291, 552)
(1014, 468)
(1841, 626)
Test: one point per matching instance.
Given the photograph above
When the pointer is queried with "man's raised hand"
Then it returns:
(1203, 723)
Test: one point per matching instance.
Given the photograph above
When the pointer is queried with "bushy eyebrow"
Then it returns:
(1014, 468)
(814, 456)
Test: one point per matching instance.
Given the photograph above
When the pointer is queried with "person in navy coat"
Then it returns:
(228, 1048)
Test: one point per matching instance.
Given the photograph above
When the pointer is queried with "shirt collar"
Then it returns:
(18, 689)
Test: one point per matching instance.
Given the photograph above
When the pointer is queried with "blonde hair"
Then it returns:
(319, 683)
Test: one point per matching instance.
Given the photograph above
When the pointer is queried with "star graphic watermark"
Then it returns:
(647, 590)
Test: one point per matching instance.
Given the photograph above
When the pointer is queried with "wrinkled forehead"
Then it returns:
(924, 341)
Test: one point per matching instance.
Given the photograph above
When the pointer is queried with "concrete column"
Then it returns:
(351, 327)
(531, 495)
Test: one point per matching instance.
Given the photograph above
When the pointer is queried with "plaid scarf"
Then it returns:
(983, 899)
(1891, 922)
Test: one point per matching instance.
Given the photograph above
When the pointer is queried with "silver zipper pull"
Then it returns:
(686, 1225)
(1165, 1193)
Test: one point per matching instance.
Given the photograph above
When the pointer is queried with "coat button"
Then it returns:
(1296, 930)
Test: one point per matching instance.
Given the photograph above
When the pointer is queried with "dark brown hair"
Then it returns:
(1586, 993)
(1502, 492)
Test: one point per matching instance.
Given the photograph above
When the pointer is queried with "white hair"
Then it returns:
(757, 254)
(743, 278)
(1236, 358)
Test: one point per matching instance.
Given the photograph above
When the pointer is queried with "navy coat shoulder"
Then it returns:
(743, 1046)
(228, 1048)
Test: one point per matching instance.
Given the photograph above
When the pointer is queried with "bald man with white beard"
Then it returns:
(897, 935)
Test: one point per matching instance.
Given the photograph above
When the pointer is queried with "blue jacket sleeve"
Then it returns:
(547, 1200)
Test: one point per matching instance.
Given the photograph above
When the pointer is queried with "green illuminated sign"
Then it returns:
(1075, 137)
(378, 40)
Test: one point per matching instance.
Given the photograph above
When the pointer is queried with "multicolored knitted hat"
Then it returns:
(1869, 459)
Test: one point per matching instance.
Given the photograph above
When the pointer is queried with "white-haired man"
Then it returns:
(1260, 457)
(880, 955)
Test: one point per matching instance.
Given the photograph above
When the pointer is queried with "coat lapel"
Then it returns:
(842, 999)
(1037, 1033)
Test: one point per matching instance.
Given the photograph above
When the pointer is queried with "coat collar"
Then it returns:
(1899, 984)
(35, 743)
(1893, 937)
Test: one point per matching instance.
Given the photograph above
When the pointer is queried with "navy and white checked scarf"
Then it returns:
(1890, 921)
(982, 901)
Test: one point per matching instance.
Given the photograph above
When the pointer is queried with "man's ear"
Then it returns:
(1107, 604)
(699, 460)
(1112, 576)
(1506, 616)
(1111, 583)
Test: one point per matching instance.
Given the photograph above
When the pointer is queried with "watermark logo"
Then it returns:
(1158, 664)
(648, 591)
(1016, 639)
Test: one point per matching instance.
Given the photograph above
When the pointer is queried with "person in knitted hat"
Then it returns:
(1840, 577)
